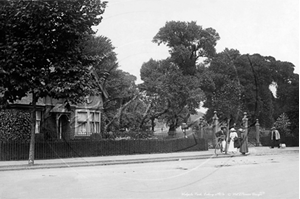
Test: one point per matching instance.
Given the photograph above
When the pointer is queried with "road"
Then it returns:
(268, 176)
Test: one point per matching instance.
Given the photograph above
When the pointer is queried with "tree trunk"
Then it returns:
(119, 114)
(32, 138)
(172, 130)
(145, 115)
(152, 124)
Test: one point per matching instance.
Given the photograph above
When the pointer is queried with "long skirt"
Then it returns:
(244, 146)
(231, 147)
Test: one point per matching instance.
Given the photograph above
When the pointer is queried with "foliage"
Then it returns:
(170, 90)
(253, 76)
(41, 53)
(119, 85)
(283, 124)
(126, 135)
(187, 42)
(41, 47)
(14, 125)
(287, 93)
(122, 92)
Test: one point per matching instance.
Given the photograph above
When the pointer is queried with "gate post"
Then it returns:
(245, 123)
(257, 133)
(201, 127)
(215, 127)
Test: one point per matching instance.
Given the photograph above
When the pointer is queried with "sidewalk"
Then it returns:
(131, 159)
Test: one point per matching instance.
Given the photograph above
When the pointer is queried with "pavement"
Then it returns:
(134, 159)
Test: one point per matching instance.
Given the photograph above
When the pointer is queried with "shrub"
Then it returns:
(15, 125)
(95, 136)
(133, 135)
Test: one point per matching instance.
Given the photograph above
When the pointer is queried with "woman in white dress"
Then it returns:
(232, 135)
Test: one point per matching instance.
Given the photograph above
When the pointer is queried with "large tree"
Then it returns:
(224, 95)
(188, 42)
(176, 95)
(174, 84)
(41, 53)
(286, 82)
(241, 85)
(250, 77)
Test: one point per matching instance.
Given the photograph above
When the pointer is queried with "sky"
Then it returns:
(267, 27)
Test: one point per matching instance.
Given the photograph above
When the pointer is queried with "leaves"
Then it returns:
(14, 126)
(40, 47)
(187, 42)
(168, 89)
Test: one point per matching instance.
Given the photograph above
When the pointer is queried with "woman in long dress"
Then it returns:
(232, 135)
(244, 145)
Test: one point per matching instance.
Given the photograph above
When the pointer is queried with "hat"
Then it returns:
(273, 128)
(232, 129)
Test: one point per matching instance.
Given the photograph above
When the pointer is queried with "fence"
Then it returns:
(289, 141)
(88, 148)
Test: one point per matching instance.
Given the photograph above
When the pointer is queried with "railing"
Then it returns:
(88, 148)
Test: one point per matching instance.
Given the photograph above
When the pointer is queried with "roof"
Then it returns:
(60, 108)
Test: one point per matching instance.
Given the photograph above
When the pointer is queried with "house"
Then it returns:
(57, 119)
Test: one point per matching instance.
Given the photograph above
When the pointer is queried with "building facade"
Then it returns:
(59, 120)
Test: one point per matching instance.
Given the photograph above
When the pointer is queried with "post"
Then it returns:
(215, 127)
(201, 128)
(257, 133)
(245, 123)
(227, 136)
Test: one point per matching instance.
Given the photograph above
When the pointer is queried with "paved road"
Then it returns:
(265, 176)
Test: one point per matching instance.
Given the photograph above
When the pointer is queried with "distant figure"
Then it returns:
(232, 136)
(183, 128)
(221, 137)
(238, 140)
(244, 144)
(275, 138)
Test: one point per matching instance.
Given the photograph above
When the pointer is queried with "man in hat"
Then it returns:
(275, 138)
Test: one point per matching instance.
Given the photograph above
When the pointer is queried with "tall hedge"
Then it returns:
(14, 125)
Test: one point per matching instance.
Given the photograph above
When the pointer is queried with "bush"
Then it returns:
(133, 135)
(15, 125)
(95, 136)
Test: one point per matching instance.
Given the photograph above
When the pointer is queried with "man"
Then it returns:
(275, 138)
(221, 136)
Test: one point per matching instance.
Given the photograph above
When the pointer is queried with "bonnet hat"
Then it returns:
(232, 130)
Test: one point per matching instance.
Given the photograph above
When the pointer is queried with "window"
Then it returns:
(82, 123)
(94, 122)
(38, 115)
(88, 122)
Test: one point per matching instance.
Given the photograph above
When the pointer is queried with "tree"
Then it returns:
(225, 94)
(176, 95)
(41, 53)
(287, 92)
(99, 52)
(177, 83)
(122, 92)
(187, 42)
(282, 124)
(251, 93)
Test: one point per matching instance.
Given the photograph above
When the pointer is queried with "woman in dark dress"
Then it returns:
(244, 145)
